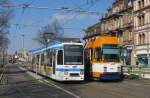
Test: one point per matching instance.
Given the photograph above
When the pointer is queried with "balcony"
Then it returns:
(143, 27)
(127, 42)
(142, 8)
(127, 25)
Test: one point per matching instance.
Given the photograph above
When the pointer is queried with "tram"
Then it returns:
(102, 59)
(61, 60)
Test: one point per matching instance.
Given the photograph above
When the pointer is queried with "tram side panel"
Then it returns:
(52, 65)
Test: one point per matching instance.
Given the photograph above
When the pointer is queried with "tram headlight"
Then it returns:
(119, 69)
(105, 69)
(81, 71)
(65, 71)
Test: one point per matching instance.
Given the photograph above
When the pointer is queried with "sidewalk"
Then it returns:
(19, 84)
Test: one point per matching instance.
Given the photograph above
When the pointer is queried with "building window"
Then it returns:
(141, 20)
(143, 38)
(139, 4)
(142, 3)
(139, 39)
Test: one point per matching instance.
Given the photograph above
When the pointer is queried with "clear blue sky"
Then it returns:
(36, 18)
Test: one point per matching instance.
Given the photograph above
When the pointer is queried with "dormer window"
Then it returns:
(129, 3)
(143, 3)
(139, 4)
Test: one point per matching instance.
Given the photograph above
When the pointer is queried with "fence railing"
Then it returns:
(134, 71)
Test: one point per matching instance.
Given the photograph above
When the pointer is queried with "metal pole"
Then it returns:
(36, 69)
(23, 41)
(46, 56)
(3, 56)
(23, 45)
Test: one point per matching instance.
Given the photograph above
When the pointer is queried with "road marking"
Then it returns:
(41, 81)
(46, 81)
(31, 73)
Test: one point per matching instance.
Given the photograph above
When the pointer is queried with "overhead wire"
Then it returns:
(75, 16)
(20, 19)
(27, 6)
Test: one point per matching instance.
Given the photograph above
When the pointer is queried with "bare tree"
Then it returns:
(5, 15)
(50, 32)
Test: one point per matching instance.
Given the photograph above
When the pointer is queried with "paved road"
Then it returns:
(18, 84)
(22, 85)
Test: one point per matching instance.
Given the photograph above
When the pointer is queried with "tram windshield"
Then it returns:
(73, 55)
(111, 53)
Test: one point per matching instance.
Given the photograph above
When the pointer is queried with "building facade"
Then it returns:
(118, 21)
(142, 31)
(92, 32)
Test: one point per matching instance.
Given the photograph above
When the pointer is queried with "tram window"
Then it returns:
(88, 54)
(49, 59)
(91, 54)
(97, 54)
(42, 59)
(33, 60)
(37, 59)
(73, 55)
(54, 58)
(45, 59)
(60, 57)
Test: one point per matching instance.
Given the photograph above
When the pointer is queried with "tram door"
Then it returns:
(54, 62)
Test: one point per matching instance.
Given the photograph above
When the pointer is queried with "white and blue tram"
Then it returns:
(59, 60)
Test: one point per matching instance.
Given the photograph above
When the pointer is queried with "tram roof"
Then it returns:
(105, 40)
(56, 42)
(63, 40)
